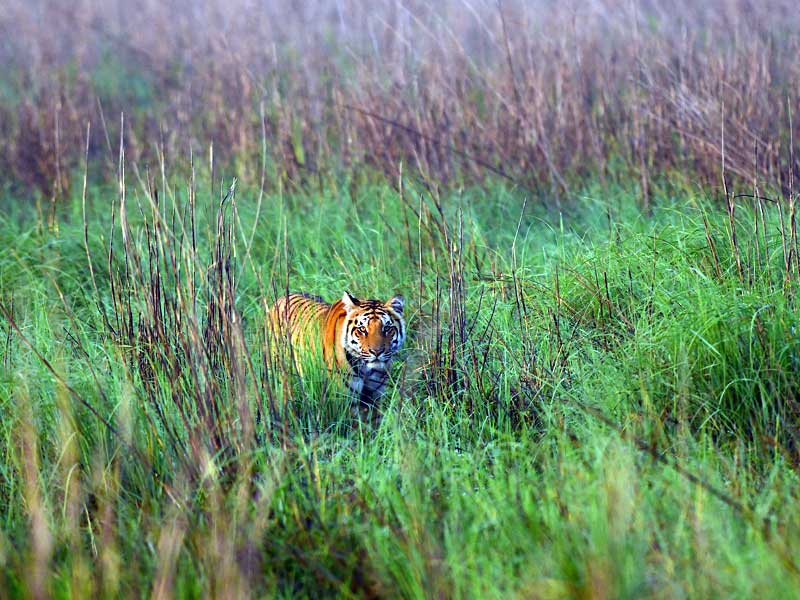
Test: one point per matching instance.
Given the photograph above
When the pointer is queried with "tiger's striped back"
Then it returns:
(359, 337)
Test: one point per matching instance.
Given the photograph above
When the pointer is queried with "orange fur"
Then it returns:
(359, 336)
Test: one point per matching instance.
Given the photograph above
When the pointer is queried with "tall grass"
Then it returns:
(595, 401)
(605, 405)
(544, 93)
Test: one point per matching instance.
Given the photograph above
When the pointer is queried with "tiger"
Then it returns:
(359, 337)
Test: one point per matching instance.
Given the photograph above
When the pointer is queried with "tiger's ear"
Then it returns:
(350, 302)
(396, 304)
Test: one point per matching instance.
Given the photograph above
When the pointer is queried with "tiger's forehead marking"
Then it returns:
(372, 310)
(363, 320)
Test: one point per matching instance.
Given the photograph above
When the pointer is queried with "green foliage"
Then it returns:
(576, 394)
(115, 79)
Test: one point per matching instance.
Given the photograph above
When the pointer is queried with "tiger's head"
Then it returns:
(372, 331)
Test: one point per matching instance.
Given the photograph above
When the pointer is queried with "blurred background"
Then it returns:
(544, 93)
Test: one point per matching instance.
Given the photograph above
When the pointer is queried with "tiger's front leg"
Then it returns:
(367, 383)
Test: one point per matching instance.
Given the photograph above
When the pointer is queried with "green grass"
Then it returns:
(614, 377)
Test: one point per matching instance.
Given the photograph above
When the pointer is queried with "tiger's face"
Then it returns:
(372, 331)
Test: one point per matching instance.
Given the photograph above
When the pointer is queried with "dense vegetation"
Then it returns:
(541, 92)
(599, 404)
(590, 209)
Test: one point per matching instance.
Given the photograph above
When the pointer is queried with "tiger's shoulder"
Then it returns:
(300, 319)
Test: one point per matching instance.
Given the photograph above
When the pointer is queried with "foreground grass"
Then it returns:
(596, 405)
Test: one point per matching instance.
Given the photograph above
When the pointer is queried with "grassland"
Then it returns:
(546, 93)
(590, 207)
(590, 404)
